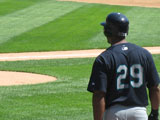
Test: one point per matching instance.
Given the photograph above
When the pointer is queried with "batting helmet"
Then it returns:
(116, 24)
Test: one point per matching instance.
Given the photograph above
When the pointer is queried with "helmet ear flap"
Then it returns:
(107, 30)
(111, 30)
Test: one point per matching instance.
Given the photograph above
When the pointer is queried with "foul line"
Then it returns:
(60, 54)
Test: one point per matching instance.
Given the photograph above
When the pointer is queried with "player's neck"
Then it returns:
(119, 42)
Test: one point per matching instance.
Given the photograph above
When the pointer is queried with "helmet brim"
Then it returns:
(103, 23)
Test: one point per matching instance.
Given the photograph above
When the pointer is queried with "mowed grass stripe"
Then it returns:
(80, 29)
(144, 26)
(2, 0)
(9, 6)
(21, 21)
(70, 32)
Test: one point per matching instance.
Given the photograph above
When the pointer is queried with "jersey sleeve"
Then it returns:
(152, 74)
(98, 78)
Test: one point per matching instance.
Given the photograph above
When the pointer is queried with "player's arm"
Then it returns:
(154, 95)
(153, 82)
(98, 86)
(98, 102)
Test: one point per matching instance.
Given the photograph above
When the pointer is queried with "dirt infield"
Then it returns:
(142, 3)
(20, 78)
(60, 54)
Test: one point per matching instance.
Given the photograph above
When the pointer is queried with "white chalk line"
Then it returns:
(60, 54)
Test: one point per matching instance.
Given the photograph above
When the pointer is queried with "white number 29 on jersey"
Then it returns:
(136, 72)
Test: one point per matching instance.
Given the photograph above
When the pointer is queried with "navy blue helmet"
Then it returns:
(116, 24)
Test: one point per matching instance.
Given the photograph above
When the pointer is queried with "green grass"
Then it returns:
(22, 21)
(66, 98)
(70, 25)
(8, 6)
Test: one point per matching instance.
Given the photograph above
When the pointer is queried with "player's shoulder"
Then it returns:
(105, 56)
(121, 48)
(140, 49)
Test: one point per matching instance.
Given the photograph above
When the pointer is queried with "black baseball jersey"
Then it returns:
(123, 72)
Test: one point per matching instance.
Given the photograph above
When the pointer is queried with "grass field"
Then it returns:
(50, 25)
(64, 99)
(38, 25)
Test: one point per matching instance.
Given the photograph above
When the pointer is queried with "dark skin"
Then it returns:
(154, 95)
(113, 40)
(98, 102)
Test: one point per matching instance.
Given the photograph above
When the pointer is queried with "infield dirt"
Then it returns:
(142, 3)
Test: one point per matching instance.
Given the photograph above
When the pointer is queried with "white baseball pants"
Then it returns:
(119, 112)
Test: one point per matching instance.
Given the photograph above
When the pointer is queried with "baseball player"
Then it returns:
(121, 75)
